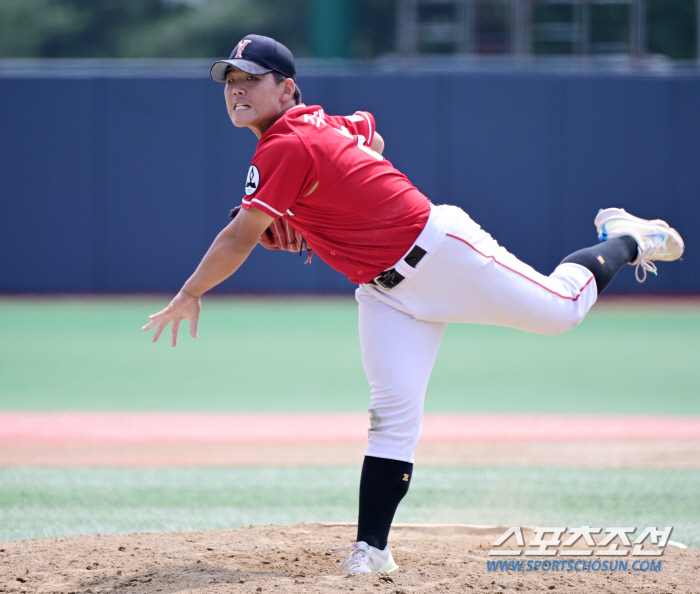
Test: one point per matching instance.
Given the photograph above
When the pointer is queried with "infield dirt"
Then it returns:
(281, 559)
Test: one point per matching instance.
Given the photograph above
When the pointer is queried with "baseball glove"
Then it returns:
(281, 235)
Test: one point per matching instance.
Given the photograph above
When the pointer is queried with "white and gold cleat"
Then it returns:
(656, 241)
(366, 559)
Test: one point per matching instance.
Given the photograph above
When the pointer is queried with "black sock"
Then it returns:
(383, 485)
(605, 259)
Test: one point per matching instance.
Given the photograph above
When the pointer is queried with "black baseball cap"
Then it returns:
(257, 54)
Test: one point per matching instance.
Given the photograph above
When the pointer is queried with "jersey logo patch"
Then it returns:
(253, 181)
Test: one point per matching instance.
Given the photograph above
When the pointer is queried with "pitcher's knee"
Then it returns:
(394, 430)
(392, 445)
(560, 325)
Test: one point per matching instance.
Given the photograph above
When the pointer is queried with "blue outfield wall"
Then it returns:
(118, 182)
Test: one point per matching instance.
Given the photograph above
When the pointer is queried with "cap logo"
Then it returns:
(241, 47)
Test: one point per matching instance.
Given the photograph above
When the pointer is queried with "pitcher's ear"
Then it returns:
(289, 87)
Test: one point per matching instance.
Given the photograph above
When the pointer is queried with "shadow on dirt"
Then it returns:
(168, 579)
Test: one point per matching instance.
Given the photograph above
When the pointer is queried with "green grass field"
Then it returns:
(41, 502)
(303, 355)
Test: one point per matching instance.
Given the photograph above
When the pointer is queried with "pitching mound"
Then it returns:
(283, 559)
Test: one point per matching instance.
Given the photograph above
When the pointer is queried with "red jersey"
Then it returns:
(356, 211)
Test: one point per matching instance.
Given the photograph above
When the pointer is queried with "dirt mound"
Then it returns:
(282, 559)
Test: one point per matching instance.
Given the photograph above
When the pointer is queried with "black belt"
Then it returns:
(390, 278)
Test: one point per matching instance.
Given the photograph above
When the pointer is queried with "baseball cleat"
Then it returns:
(655, 239)
(366, 559)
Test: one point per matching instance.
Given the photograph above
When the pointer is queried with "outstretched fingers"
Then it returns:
(159, 330)
(173, 332)
(183, 306)
(149, 325)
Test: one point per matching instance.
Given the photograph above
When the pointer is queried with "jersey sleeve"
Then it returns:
(280, 174)
(361, 123)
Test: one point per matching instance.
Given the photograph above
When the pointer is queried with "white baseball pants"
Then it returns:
(465, 276)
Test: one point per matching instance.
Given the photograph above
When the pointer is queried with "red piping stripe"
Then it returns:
(520, 273)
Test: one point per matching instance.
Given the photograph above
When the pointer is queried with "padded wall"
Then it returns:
(119, 183)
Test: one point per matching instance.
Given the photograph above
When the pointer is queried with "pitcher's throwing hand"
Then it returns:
(183, 307)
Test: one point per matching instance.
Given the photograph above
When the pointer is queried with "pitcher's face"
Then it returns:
(253, 100)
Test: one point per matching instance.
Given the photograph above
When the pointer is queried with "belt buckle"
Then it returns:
(380, 278)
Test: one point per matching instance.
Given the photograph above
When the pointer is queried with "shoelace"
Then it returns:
(643, 262)
(354, 559)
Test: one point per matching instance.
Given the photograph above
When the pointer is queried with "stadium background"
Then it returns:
(116, 173)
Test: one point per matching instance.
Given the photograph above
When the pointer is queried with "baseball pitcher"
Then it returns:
(319, 182)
